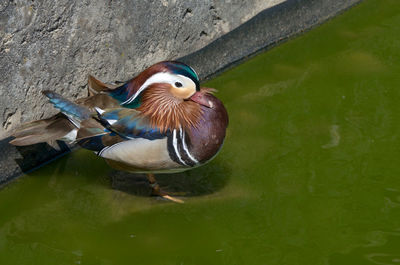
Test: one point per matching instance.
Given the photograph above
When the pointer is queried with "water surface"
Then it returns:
(309, 173)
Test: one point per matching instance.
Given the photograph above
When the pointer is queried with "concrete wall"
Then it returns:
(55, 44)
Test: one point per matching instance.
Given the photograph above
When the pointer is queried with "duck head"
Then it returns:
(168, 93)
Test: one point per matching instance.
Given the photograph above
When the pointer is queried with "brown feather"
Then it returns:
(109, 140)
(90, 128)
(40, 131)
(100, 100)
(98, 86)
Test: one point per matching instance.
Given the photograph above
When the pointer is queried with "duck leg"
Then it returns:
(156, 190)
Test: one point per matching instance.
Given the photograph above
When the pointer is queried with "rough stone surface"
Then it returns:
(55, 44)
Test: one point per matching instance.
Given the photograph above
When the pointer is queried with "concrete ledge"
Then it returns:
(268, 28)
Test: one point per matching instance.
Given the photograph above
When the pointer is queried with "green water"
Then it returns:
(309, 173)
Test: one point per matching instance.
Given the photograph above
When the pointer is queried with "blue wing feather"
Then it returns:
(130, 124)
(66, 106)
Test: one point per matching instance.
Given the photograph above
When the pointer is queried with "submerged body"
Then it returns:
(158, 122)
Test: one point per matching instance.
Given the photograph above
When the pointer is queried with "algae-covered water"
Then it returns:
(309, 173)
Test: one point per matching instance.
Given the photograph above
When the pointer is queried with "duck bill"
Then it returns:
(201, 99)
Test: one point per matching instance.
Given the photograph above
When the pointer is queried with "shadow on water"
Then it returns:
(197, 182)
(16, 160)
(31, 158)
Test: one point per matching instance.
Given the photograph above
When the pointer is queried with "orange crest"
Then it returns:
(167, 112)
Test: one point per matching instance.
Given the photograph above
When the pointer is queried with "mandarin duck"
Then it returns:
(161, 121)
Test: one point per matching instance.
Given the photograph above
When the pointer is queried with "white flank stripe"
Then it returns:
(175, 144)
(186, 149)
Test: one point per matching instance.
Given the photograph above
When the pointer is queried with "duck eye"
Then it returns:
(178, 84)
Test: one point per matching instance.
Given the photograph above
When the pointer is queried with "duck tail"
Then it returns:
(58, 127)
(63, 126)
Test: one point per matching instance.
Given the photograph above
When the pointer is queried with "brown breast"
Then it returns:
(208, 137)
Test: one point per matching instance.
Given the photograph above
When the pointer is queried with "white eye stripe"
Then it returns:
(156, 78)
(163, 77)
